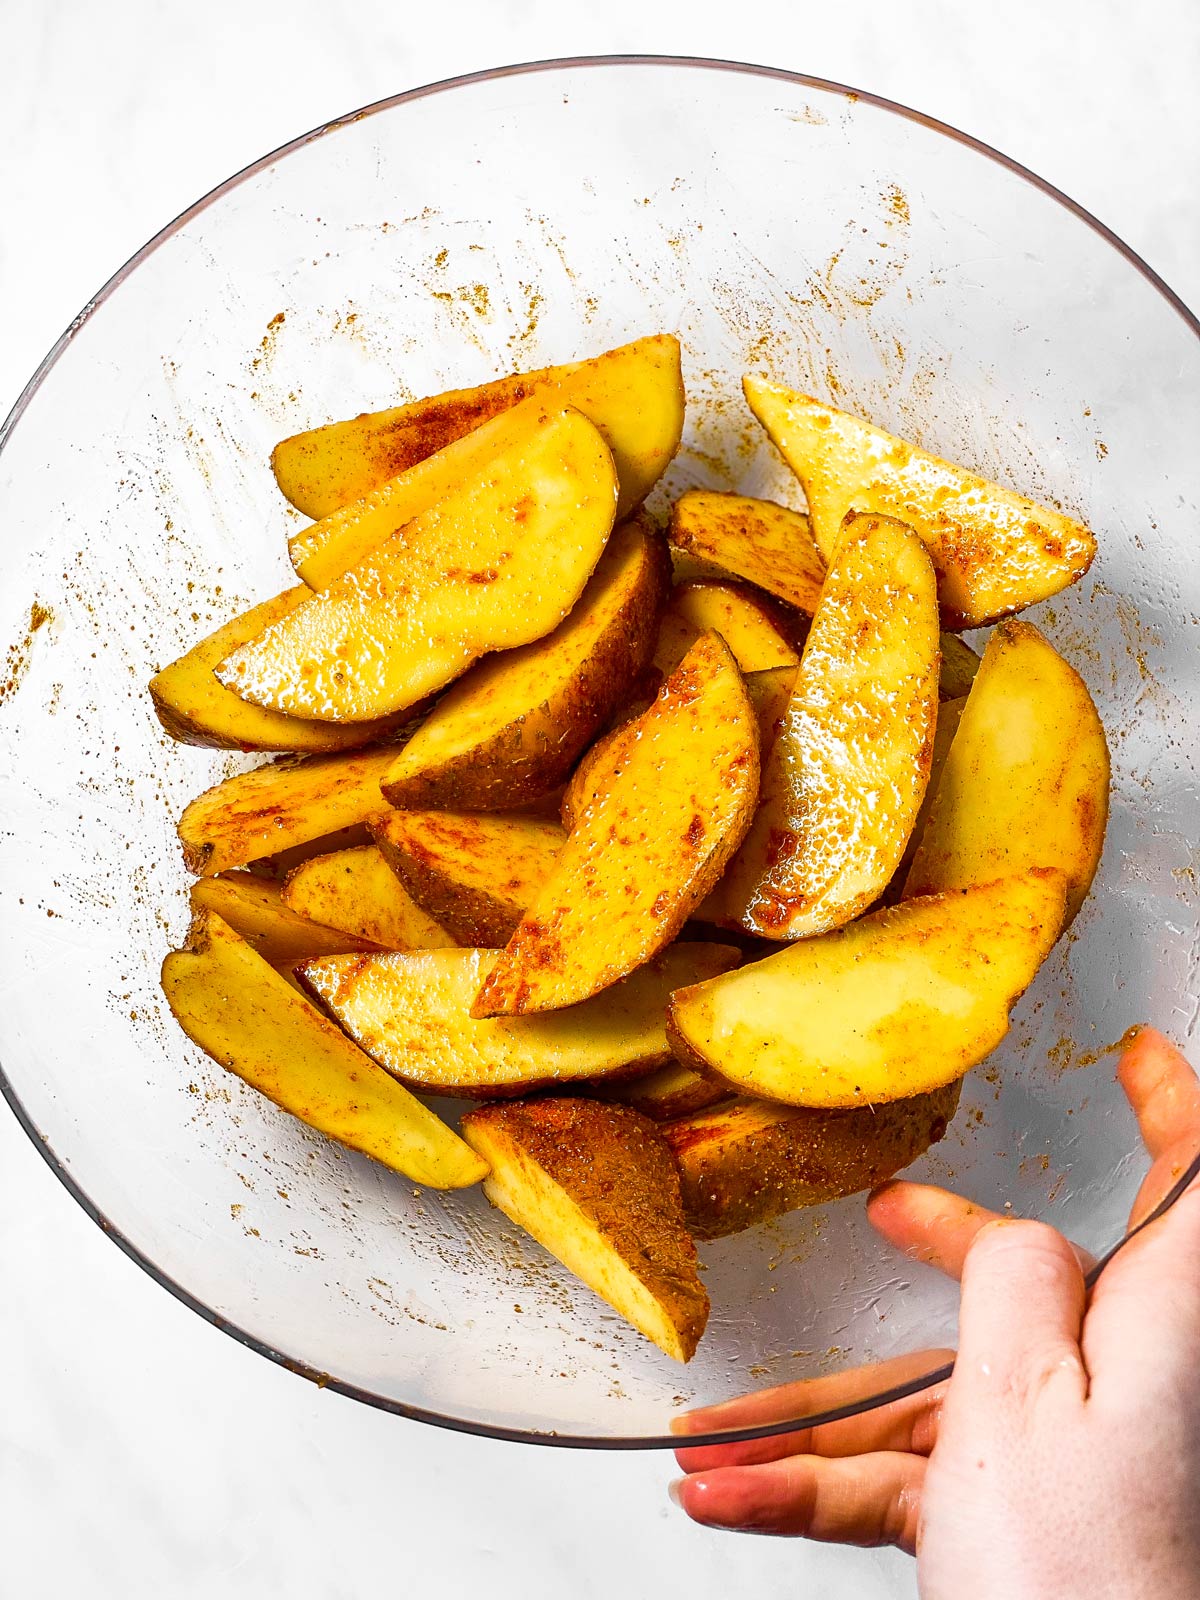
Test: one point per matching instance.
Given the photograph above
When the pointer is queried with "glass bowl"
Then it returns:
(512, 219)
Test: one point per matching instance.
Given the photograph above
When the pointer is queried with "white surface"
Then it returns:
(141, 1452)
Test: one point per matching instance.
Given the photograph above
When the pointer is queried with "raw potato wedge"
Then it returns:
(510, 730)
(357, 891)
(769, 691)
(247, 1017)
(474, 874)
(283, 804)
(673, 1091)
(959, 666)
(847, 774)
(644, 854)
(754, 629)
(195, 709)
(899, 1003)
(949, 714)
(255, 909)
(995, 551)
(633, 395)
(750, 1160)
(596, 1186)
(497, 564)
(1026, 779)
(411, 1011)
(765, 543)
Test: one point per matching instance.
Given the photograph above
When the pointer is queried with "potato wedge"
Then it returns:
(195, 709)
(899, 1003)
(411, 1011)
(995, 551)
(949, 714)
(595, 1185)
(673, 1091)
(497, 564)
(769, 691)
(750, 1160)
(357, 891)
(959, 666)
(473, 874)
(1025, 781)
(255, 909)
(240, 1011)
(767, 544)
(279, 805)
(846, 775)
(755, 630)
(645, 853)
(511, 729)
(633, 395)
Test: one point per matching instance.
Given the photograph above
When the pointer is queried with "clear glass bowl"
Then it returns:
(521, 217)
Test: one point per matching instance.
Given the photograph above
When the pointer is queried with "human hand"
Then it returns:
(1062, 1457)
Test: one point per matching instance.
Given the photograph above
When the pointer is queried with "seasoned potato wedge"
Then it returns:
(1025, 781)
(672, 1091)
(496, 564)
(750, 1160)
(411, 1011)
(769, 691)
(644, 854)
(357, 891)
(755, 630)
(255, 909)
(633, 395)
(195, 709)
(995, 551)
(240, 1011)
(511, 729)
(474, 874)
(949, 713)
(846, 775)
(900, 1002)
(283, 804)
(596, 1186)
(959, 666)
(765, 543)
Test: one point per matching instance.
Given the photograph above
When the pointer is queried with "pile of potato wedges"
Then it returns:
(706, 859)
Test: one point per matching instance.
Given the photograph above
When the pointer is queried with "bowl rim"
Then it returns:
(8, 1091)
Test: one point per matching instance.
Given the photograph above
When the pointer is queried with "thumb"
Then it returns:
(1020, 1318)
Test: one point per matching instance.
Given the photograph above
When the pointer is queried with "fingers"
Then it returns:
(903, 1425)
(1020, 1318)
(933, 1225)
(869, 1500)
(1162, 1089)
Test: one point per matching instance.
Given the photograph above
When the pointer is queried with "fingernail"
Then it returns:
(675, 1491)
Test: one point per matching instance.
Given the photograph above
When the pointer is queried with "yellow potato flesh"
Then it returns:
(1025, 782)
(474, 873)
(673, 1091)
(899, 1003)
(949, 713)
(357, 891)
(255, 909)
(995, 551)
(281, 805)
(760, 541)
(959, 666)
(633, 395)
(240, 1011)
(646, 851)
(194, 708)
(497, 564)
(596, 1186)
(846, 776)
(511, 729)
(750, 627)
(411, 1011)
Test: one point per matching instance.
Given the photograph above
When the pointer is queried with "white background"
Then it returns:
(141, 1452)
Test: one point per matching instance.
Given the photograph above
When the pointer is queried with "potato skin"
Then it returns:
(617, 1168)
(750, 1160)
(534, 751)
